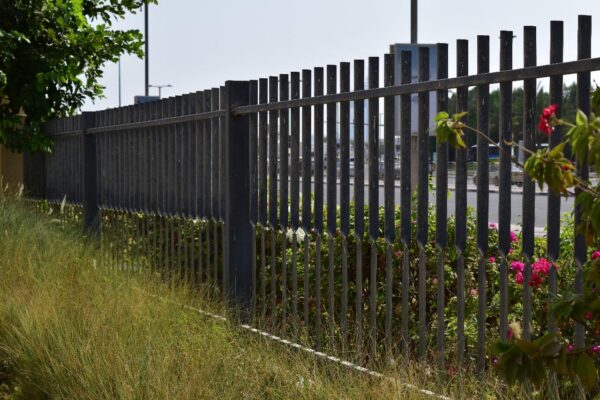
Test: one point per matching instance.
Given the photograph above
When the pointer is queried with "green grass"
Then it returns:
(70, 329)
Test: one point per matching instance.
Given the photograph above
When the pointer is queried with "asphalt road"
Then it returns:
(516, 206)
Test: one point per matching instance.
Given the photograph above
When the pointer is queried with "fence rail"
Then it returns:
(259, 188)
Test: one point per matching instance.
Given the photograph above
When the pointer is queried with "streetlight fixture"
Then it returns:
(160, 87)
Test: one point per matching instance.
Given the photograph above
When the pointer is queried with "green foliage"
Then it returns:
(524, 360)
(51, 58)
(450, 129)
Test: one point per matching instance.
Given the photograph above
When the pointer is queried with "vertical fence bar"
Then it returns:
(178, 237)
(405, 194)
(373, 201)
(389, 188)
(209, 126)
(222, 189)
(318, 202)
(306, 186)
(284, 94)
(423, 196)
(253, 168)
(529, 131)
(553, 219)
(331, 195)
(504, 205)
(295, 194)
(584, 51)
(263, 132)
(483, 196)
(237, 202)
(273, 115)
(359, 199)
(344, 198)
(91, 205)
(460, 238)
(441, 207)
(199, 184)
(214, 182)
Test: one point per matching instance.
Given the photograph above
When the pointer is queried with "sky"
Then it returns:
(196, 45)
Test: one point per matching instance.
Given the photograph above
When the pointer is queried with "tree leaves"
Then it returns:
(51, 59)
(450, 129)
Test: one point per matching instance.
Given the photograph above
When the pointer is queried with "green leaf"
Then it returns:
(585, 369)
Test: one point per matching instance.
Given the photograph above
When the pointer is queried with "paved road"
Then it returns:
(541, 203)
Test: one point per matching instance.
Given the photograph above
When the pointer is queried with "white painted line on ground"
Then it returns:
(306, 349)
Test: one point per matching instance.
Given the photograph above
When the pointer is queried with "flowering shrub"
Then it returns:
(520, 359)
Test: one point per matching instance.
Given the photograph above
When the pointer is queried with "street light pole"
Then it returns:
(160, 87)
(147, 87)
(119, 81)
(413, 21)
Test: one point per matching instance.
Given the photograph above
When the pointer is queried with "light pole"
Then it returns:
(147, 86)
(413, 21)
(119, 81)
(159, 87)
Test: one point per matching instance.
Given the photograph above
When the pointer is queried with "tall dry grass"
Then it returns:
(70, 329)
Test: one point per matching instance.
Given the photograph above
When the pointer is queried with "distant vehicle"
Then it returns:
(493, 153)
(516, 174)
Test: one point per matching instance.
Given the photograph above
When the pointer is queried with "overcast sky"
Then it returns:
(197, 45)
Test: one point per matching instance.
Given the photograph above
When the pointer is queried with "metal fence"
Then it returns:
(245, 187)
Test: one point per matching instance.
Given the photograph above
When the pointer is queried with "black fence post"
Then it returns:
(238, 227)
(91, 206)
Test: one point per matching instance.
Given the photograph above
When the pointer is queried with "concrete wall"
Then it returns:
(11, 167)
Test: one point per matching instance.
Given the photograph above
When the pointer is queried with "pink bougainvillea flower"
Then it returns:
(596, 255)
(494, 225)
(517, 266)
(545, 123)
(596, 349)
(588, 315)
(536, 280)
(519, 277)
(570, 348)
(541, 266)
(492, 259)
(510, 251)
(513, 237)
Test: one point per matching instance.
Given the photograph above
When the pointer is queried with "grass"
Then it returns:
(70, 329)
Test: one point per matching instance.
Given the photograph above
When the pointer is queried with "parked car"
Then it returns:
(516, 176)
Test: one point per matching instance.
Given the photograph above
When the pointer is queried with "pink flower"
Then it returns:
(570, 348)
(494, 361)
(492, 259)
(536, 280)
(588, 315)
(494, 225)
(545, 123)
(519, 277)
(473, 292)
(541, 266)
(510, 251)
(517, 266)
(513, 237)
(596, 255)
(596, 349)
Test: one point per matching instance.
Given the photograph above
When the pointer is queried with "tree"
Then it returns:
(51, 58)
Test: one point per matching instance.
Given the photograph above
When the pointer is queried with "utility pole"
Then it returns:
(413, 21)
(119, 81)
(147, 87)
